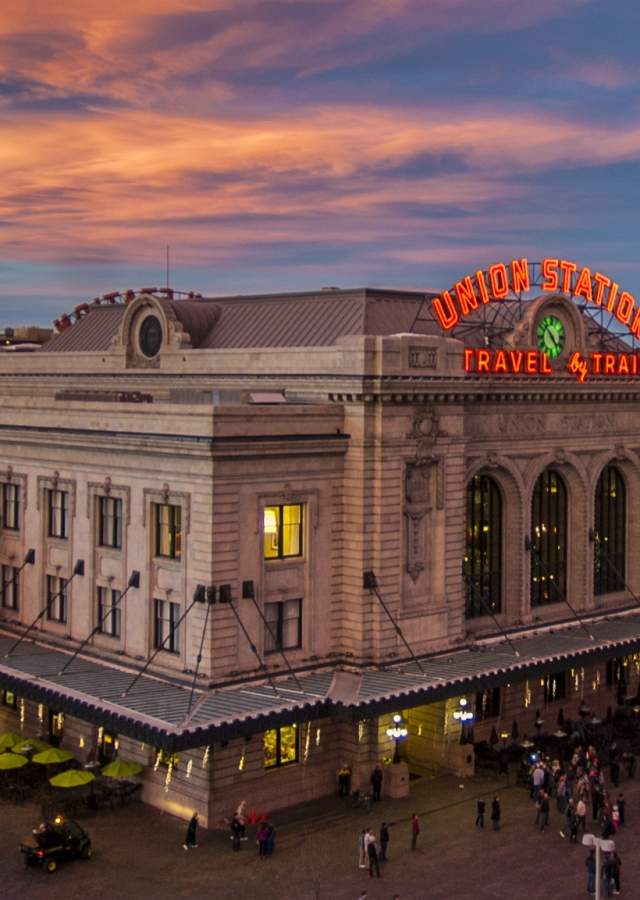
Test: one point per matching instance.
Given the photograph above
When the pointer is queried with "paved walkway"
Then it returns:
(138, 853)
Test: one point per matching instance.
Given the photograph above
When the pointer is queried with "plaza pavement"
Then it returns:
(138, 853)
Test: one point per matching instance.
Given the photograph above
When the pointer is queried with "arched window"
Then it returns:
(483, 557)
(609, 532)
(548, 539)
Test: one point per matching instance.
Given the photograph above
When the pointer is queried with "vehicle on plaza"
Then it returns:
(54, 842)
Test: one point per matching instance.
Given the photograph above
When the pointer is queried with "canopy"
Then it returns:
(10, 739)
(72, 778)
(51, 756)
(122, 768)
(12, 761)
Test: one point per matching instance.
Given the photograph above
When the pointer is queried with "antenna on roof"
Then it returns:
(167, 257)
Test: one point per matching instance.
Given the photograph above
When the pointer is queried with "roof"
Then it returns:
(159, 712)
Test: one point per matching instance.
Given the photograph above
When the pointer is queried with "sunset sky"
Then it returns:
(291, 144)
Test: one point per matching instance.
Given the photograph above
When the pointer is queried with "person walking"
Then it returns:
(362, 849)
(616, 862)
(581, 815)
(236, 832)
(590, 863)
(190, 842)
(376, 783)
(495, 814)
(480, 814)
(344, 780)
(384, 841)
(262, 836)
(372, 853)
(543, 811)
(415, 830)
(622, 803)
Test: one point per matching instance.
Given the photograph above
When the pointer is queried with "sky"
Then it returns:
(291, 144)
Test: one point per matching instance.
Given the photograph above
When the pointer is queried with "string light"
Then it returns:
(307, 741)
(167, 777)
(527, 695)
(189, 767)
(22, 713)
(242, 759)
(157, 762)
(361, 725)
(40, 713)
(100, 735)
(317, 737)
(81, 742)
(205, 757)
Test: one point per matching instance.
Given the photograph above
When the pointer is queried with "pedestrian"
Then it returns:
(236, 832)
(190, 840)
(590, 863)
(270, 843)
(415, 830)
(622, 803)
(344, 780)
(362, 850)
(242, 819)
(581, 815)
(376, 783)
(495, 814)
(263, 834)
(384, 841)
(480, 816)
(616, 862)
(372, 853)
(596, 801)
(542, 818)
(537, 780)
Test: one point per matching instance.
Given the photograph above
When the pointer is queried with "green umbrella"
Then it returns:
(31, 743)
(12, 761)
(71, 778)
(51, 756)
(10, 739)
(122, 768)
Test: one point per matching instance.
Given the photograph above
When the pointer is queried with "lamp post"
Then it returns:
(601, 844)
(398, 731)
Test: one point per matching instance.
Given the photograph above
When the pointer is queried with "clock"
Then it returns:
(150, 336)
(551, 336)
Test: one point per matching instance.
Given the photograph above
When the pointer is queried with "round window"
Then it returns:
(150, 336)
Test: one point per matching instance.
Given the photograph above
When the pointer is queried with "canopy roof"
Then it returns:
(158, 711)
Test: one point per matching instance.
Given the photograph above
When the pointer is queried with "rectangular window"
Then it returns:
(110, 522)
(109, 612)
(166, 632)
(280, 746)
(56, 599)
(9, 587)
(57, 513)
(9, 699)
(488, 704)
(555, 687)
(11, 506)
(282, 528)
(168, 526)
(285, 625)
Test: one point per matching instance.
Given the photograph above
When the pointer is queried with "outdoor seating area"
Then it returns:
(32, 770)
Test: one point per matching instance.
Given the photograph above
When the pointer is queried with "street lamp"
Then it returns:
(398, 731)
(601, 844)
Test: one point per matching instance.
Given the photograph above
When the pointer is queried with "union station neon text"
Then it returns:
(557, 275)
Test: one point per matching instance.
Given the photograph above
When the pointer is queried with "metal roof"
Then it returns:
(157, 710)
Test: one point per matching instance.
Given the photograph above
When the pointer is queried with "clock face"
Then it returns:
(150, 336)
(551, 336)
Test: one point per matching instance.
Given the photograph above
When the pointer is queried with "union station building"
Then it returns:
(239, 534)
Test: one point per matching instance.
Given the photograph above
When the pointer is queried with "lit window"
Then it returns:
(110, 522)
(282, 527)
(549, 534)
(9, 699)
(107, 747)
(57, 513)
(483, 553)
(11, 506)
(108, 611)
(609, 557)
(9, 587)
(284, 620)
(166, 632)
(168, 525)
(56, 599)
(280, 746)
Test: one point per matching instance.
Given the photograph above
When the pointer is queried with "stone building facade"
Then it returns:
(205, 481)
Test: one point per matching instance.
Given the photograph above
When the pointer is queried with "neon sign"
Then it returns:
(557, 276)
(479, 361)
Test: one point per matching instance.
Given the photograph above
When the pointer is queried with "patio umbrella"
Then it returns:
(12, 761)
(71, 778)
(122, 768)
(10, 739)
(51, 756)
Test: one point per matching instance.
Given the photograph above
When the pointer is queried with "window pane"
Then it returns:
(271, 531)
(288, 744)
(271, 748)
(609, 533)
(291, 624)
(292, 530)
(548, 539)
(177, 532)
(483, 553)
(273, 615)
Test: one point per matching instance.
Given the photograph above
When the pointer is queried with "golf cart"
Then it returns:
(56, 841)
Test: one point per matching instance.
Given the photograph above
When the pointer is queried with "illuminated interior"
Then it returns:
(282, 528)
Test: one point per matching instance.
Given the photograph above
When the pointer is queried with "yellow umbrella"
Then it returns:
(71, 778)
(10, 739)
(122, 768)
(51, 756)
(12, 761)
(31, 744)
